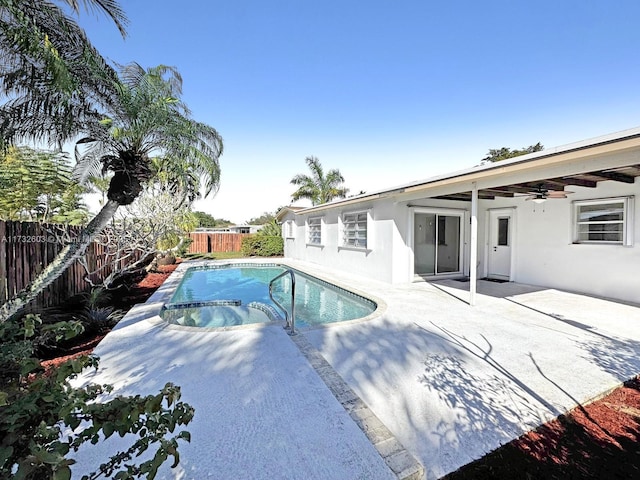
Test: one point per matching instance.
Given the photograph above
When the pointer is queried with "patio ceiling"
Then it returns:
(626, 174)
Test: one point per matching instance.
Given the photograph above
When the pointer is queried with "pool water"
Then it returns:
(239, 295)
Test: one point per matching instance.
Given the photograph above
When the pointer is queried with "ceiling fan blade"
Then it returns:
(558, 194)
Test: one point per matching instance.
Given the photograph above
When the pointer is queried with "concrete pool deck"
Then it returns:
(449, 381)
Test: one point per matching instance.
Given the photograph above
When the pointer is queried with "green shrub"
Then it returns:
(99, 320)
(98, 315)
(271, 229)
(262, 246)
(37, 406)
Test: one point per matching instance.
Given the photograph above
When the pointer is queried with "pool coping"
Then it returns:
(400, 461)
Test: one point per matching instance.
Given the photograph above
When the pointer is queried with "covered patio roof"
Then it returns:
(590, 179)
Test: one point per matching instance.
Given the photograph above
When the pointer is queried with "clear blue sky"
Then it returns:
(385, 91)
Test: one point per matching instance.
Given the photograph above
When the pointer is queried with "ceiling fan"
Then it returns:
(541, 194)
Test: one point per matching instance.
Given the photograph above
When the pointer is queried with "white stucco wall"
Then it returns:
(384, 243)
(544, 254)
(547, 256)
(388, 256)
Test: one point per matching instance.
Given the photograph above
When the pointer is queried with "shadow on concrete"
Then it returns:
(619, 357)
(460, 289)
(463, 409)
(497, 406)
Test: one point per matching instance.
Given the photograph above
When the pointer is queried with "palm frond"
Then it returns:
(110, 7)
(147, 133)
(89, 160)
(319, 188)
(48, 68)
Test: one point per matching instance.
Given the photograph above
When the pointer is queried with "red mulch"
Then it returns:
(598, 441)
(139, 293)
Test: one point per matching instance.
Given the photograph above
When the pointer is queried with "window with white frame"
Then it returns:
(289, 230)
(603, 221)
(354, 229)
(314, 231)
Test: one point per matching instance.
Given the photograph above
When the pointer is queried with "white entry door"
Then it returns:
(500, 244)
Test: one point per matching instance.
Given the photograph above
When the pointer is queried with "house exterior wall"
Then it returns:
(545, 253)
(388, 256)
(381, 260)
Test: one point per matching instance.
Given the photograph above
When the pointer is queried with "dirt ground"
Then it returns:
(598, 441)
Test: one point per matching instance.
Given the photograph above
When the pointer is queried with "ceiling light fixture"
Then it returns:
(539, 200)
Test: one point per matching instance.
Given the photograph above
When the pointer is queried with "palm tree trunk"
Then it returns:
(69, 254)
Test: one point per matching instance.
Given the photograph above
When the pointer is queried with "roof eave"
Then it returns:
(532, 160)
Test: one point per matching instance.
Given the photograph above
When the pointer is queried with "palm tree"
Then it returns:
(51, 77)
(319, 188)
(145, 117)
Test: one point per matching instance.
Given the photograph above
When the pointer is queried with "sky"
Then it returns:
(385, 91)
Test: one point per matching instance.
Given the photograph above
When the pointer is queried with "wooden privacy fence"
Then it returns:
(26, 248)
(204, 242)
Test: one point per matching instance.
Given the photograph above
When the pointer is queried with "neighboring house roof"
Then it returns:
(606, 144)
(228, 228)
(284, 210)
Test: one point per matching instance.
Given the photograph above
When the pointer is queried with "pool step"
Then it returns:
(403, 464)
(204, 303)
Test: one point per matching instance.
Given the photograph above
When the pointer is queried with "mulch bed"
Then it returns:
(142, 290)
(139, 293)
(598, 441)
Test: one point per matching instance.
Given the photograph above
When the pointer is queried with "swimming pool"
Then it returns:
(238, 294)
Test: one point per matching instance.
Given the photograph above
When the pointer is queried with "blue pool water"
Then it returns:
(239, 295)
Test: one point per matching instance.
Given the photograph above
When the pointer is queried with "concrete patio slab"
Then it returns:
(261, 410)
(449, 381)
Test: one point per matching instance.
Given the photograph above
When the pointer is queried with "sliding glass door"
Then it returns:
(436, 243)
